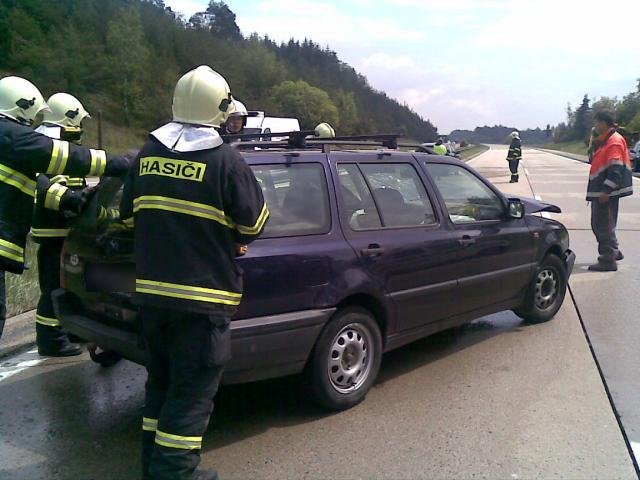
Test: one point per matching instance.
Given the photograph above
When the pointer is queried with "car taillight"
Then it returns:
(63, 271)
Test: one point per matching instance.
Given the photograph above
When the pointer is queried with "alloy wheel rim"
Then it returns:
(546, 288)
(350, 358)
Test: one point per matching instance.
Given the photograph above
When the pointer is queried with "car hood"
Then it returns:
(531, 205)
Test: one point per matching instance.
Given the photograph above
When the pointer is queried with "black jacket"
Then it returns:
(515, 150)
(23, 154)
(189, 209)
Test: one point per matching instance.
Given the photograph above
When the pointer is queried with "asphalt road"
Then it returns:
(494, 399)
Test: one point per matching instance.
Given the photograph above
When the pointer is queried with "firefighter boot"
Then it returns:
(53, 342)
(610, 266)
(148, 443)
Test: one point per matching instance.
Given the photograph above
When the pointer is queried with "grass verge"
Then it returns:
(473, 151)
(22, 290)
(578, 148)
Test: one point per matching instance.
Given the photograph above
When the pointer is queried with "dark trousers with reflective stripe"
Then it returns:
(604, 220)
(48, 332)
(3, 301)
(513, 168)
(186, 356)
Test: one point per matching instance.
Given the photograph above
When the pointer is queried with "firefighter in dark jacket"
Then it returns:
(23, 154)
(237, 118)
(514, 156)
(193, 203)
(610, 179)
(49, 227)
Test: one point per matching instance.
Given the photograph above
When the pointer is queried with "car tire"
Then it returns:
(546, 292)
(346, 359)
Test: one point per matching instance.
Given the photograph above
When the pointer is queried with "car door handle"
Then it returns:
(373, 250)
(466, 241)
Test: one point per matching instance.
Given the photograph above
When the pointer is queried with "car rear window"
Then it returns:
(297, 198)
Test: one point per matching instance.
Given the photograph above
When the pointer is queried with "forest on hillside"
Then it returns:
(123, 57)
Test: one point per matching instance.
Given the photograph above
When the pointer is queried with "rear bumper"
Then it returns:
(262, 347)
(569, 261)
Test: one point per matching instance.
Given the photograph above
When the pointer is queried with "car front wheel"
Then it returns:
(546, 292)
(346, 359)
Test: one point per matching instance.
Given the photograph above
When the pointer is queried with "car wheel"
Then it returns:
(547, 291)
(345, 360)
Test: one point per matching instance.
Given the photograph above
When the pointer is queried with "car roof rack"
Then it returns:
(307, 139)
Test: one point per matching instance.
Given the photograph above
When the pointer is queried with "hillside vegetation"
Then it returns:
(124, 56)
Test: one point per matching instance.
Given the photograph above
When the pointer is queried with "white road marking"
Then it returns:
(635, 448)
(17, 364)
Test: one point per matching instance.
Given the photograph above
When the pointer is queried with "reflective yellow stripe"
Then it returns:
(149, 424)
(12, 251)
(54, 195)
(98, 162)
(59, 157)
(60, 179)
(176, 205)
(75, 182)
(50, 232)
(18, 180)
(178, 441)
(48, 321)
(262, 219)
(188, 292)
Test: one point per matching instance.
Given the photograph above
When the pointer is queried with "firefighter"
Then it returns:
(23, 154)
(237, 118)
(324, 130)
(439, 148)
(514, 156)
(193, 202)
(49, 228)
(610, 179)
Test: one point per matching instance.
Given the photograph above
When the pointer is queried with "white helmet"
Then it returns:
(515, 135)
(20, 100)
(324, 130)
(65, 111)
(202, 97)
(237, 109)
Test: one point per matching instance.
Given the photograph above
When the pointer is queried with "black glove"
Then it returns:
(118, 165)
(73, 202)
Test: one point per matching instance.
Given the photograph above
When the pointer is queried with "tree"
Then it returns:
(128, 57)
(582, 120)
(223, 21)
(347, 112)
(310, 105)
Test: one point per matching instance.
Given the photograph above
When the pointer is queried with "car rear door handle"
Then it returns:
(373, 250)
(466, 241)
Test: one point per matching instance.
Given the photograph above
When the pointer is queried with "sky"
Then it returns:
(466, 63)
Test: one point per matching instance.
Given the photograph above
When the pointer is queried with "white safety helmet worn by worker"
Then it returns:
(324, 130)
(66, 111)
(202, 97)
(515, 135)
(237, 118)
(20, 100)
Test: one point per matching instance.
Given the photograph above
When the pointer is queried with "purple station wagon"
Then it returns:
(366, 250)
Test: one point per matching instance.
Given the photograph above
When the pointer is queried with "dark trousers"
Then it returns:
(186, 356)
(49, 334)
(3, 301)
(513, 168)
(604, 219)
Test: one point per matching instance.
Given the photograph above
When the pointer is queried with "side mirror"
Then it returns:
(516, 208)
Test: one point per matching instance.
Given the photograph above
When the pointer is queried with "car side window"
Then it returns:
(297, 198)
(384, 195)
(466, 197)
(359, 210)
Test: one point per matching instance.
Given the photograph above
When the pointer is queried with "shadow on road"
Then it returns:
(78, 420)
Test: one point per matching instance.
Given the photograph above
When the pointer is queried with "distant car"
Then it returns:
(365, 251)
(258, 122)
(635, 156)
